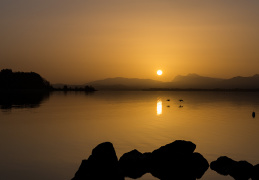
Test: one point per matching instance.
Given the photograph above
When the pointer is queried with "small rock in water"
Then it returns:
(239, 170)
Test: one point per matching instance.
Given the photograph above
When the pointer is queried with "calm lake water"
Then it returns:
(48, 139)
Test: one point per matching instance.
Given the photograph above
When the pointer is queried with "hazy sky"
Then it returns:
(76, 41)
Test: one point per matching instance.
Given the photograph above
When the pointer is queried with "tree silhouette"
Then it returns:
(22, 80)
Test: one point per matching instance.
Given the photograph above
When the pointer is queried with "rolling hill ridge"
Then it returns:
(191, 81)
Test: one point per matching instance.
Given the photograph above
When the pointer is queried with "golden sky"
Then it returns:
(77, 41)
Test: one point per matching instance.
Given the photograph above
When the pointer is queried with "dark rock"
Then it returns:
(177, 161)
(82, 171)
(222, 165)
(179, 146)
(134, 164)
(189, 168)
(105, 154)
(177, 154)
(241, 170)
(199, 165)
(102, 164)
(255, 173)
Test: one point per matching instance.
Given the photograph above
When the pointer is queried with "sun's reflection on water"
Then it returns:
(159, 107)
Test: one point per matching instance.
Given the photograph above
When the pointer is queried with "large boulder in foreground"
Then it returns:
(255, 174)
(177, 154)
(176, 160)
(102, 164)
(134, 164)
(199, 165)
(172, 161)
(176, 147)
(239, 170)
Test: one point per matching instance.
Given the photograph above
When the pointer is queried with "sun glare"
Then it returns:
(159, 72)
(159, 107)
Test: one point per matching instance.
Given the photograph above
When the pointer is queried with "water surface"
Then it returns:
(48, 140)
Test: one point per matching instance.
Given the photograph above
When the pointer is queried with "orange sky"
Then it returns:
(83, 40)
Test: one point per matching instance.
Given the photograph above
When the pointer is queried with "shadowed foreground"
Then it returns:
(176, 160)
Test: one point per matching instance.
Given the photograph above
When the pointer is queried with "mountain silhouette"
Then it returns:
(195, 81)
(190, 81)
(240, 82)
(120, 83)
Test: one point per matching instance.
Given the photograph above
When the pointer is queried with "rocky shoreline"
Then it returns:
(176, 160)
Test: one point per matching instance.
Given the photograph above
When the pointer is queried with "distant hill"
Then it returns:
(120, 83)
(196, 82)
(10, 80)
(191, 81)
(240, 82)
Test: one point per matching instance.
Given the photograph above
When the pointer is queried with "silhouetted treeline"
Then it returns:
(66, 88)
(10, 80)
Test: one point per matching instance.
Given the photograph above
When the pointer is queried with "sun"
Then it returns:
(159, 72)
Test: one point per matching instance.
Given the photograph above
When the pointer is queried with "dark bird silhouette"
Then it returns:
(253, 114)
(180, 100)
(168, 100)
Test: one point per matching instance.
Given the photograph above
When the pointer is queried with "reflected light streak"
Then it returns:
(159, 107)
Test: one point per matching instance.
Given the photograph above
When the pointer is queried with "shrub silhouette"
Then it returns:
(22, 80)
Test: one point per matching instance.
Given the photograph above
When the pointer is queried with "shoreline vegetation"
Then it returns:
(67, 88)
(177, 160)
(12, 82)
